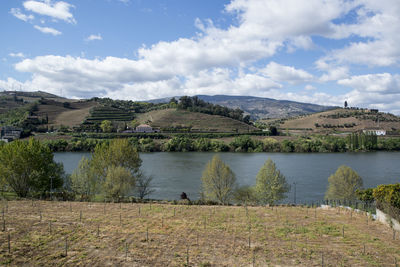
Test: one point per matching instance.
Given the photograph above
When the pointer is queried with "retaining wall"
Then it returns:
(387, 220)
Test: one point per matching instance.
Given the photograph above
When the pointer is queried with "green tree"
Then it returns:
(134, 124)
(273, 130)
(218, 181)
(28, 166)
(118, 183)
(343, 184)
(103, 174)
(271, 185)
(108, 156)
(118, 152)
(83, 181)
(242, 143)
(106, 126)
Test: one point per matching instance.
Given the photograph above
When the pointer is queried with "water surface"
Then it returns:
(175, 172)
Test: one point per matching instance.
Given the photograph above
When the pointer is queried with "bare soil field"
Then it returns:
(39, 233)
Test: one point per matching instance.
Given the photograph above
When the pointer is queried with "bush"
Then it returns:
(365, 195)
(388, 194)
(244, 195)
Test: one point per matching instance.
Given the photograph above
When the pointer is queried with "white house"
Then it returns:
(376, 131)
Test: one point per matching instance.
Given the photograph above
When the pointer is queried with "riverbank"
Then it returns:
(225, 142)
(68, 233)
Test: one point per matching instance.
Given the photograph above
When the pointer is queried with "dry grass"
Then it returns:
(151, 235)
(73, 116)
(199, 121)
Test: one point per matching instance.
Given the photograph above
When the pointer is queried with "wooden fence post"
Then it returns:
(66, 246)
(9, 243)
(322, 259)
(126, 250)
(187, 256)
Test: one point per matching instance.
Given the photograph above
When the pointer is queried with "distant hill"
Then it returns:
(341, 120)
(258, 107)
(34, 96)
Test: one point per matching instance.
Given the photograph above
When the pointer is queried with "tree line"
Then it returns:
(196, 104)
(240, 143)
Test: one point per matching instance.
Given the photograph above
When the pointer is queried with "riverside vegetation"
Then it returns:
(221, 142)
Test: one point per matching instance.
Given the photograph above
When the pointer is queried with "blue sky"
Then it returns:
(316, 51)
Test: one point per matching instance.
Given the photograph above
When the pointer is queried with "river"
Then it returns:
(174, 173)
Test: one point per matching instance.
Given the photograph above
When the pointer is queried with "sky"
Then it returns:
(314, 51)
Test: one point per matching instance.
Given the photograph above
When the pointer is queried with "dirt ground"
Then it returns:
(44, 233)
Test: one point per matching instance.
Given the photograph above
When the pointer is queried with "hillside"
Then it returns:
(172, 118)
(59, 113)
(40, 109)
(342, 120)
(53, 233)
(258, 107)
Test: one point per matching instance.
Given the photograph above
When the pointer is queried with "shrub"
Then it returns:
(388, 194)
(365, 195)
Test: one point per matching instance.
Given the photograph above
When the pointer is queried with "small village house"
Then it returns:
(144, 128)
(376, 131)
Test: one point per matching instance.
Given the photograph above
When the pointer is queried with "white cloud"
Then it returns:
(19, 55)
(57, 10)
(383, 83)
(93, 37)
(220, 80)
(16, 12)
(47, 30)
(288, 19)
(309, 87)
(288, 74)
(379, 23)
(334, 74)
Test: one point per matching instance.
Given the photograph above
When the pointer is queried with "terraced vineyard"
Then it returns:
(101, 113)
(38, 233)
